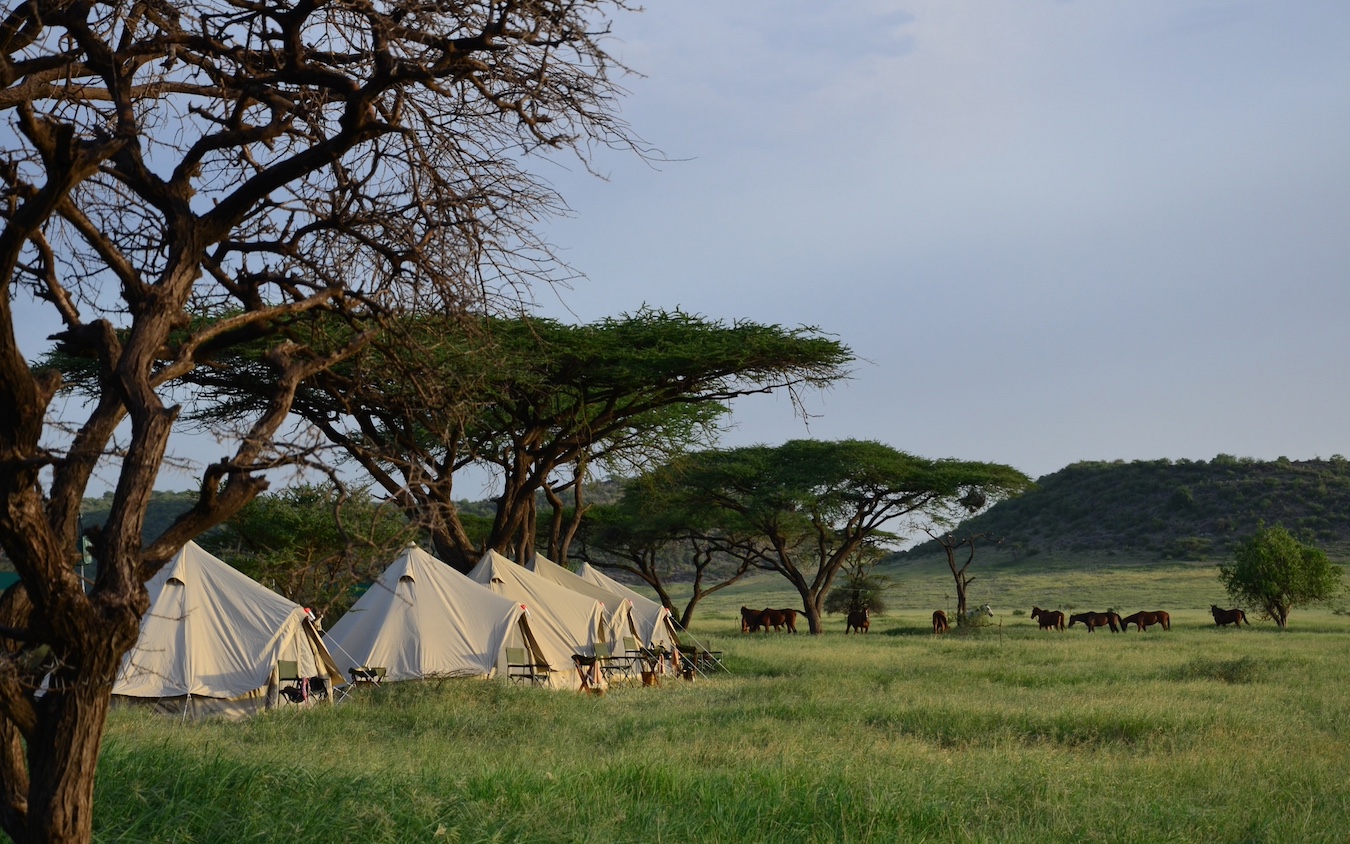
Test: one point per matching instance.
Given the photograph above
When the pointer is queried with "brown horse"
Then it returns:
(1235, 616)
(940, 624)
(1142, 619)
(1093, 620)
(860, 620)
(772, 618)
(789, 619)
(750, 619)
(1048, 619)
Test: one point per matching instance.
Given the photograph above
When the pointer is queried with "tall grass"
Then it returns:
(1004, 733)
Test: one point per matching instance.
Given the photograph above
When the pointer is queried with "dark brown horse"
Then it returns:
(1142, 619)
(940, 624)
(1235, 616)
(859, 620)
(750, 619)
(1048, 619)
(789, 619)
(1093, 620)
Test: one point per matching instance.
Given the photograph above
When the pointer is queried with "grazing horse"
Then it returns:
(750, 619)
(940, 624)
(1222, 618)
(1142, 619)
(1048, 619)
(789, 618)
(1093, 620)
(859, 620)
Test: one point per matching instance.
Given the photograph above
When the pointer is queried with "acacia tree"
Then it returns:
(256, 163)
(313, 543)
(813, 505)
(1276, 572)
(652, 535)
(535, 400)
(860, 588)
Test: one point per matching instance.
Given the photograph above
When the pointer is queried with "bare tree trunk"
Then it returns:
(815, 616)
(62, 759)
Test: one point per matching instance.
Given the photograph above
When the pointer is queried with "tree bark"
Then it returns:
(62, 759)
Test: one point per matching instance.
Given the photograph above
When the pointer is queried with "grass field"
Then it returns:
(1003, 733)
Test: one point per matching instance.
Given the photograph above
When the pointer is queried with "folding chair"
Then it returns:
(367, 675)
(632, 648)
(520, 667)
(288, 671)
(611, 664)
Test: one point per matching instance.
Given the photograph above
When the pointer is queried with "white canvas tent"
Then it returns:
(423, 619)
(562, 622)
(618, 609)
(212, 639)
(655, 626)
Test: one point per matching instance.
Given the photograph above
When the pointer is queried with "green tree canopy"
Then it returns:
(1274, 571)
(536, 400)
(313, 543)
(812, 505)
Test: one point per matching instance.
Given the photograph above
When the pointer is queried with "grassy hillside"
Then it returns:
(1173, 510)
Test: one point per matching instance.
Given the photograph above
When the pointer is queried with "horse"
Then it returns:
(859, 620)
(1048, 619)
(789, 619)
(983, 609)
(1142, 619)
(940, 624)
(775, 618)
(1222, 618)
(750, 619)
(1093, 620)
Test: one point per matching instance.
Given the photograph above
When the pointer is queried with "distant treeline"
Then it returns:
(1173, 509)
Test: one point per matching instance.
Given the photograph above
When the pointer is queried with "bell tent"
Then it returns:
(655, 625)
(562, 622)
(213, 642)
(619, 622)
(423, 619)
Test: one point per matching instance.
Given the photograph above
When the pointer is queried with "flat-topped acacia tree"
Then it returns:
(534, 400)
(178, 178)
(809, 506)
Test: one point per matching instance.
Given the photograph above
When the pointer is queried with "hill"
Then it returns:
(1182, 510)
(164, 508)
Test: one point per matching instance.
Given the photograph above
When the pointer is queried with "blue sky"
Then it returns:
(1054, 231)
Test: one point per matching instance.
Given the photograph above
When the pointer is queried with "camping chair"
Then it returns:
(364, 675)
(632, 648)
(519, 666)
(694, 658)
(288, 671)
(609, 663)
(367, 675)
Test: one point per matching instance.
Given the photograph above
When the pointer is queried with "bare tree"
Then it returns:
(952, 544)
(180, 177)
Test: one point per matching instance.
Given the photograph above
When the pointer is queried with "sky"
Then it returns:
(1051, 230)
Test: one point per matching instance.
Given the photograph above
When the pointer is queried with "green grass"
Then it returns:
(1004, 733)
